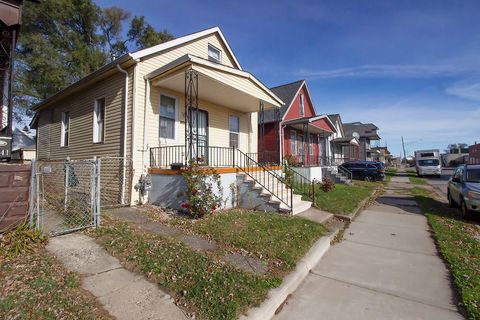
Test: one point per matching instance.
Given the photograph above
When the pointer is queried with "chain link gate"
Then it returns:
(65, 195)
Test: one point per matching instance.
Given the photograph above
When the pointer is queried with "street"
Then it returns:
(440, 184)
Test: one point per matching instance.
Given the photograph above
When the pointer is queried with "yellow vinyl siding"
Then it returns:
(198, 47)
(218, 125)
(81, 105)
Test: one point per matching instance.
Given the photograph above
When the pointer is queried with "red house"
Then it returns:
(295, 130)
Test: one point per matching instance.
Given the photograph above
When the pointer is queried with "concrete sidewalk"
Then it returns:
(387, 267)
(124, 294)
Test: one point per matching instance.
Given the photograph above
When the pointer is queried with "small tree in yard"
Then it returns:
(200, 181)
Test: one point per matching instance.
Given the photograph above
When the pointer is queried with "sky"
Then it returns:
(410, 67)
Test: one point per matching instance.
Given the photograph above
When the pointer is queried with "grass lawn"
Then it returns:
(414, 179)
(33, 285)
(344, 199)
(273, 236)
(457, 243)
(203, 282)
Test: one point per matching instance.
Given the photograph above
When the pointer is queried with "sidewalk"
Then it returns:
(124, 294)
(387, 267)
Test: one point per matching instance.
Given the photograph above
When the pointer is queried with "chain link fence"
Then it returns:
(67, 195)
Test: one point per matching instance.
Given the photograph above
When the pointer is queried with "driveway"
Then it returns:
(387, 267)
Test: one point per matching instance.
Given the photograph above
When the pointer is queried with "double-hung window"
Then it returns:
(302, 106)
(167, 117)
(293, 142)
(65, 129)
(214, 54)
(234, 126)
(99, 121)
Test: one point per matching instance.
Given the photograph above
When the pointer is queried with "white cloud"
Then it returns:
(422, 126)
(382, 71)
(466, 90)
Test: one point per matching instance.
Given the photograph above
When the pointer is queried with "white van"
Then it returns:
(427, 163)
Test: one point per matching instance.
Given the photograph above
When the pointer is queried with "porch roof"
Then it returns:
(316, 124)
(222, 85)
(346, 141)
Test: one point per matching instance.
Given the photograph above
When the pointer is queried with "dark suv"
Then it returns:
(365, 170)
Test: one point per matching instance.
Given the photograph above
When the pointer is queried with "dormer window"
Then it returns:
(214, 54)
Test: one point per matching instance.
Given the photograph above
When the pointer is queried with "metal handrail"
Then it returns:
(165, 156)
(267, 179)
(346, 172)
(300, 183)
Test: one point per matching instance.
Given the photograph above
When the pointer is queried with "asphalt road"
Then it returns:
(441, 183)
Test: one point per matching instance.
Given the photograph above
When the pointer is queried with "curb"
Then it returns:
(277, 296)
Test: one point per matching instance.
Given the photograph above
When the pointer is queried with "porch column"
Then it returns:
(191, 109)
(261, 121)
(277, 136)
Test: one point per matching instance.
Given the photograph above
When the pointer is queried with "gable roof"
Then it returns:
(132, 58)
(368, 130)
(182, 40)
(287, 94)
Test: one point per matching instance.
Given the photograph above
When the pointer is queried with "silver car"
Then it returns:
(464, 189)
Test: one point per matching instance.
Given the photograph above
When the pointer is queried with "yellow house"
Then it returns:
(159, 107)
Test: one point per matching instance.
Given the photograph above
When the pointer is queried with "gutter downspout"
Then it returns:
(125, 117)
(145, 126)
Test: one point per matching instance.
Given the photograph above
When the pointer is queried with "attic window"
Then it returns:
(214, 54)
(302, 106)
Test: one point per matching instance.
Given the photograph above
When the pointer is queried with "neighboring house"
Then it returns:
(382, 154)
(365, 133)
(342, 148)
(295, 130)
(474, 154)
(23, 145)
(160, 107)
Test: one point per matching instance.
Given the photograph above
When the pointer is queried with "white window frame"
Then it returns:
(233, 132)
(293, 142)
(65, 142)
(211, 46)
(302, 105)
(176, 127)
(96, 138)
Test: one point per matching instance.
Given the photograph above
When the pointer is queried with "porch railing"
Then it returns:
(266, 157)
(317, 161)
(165, 156)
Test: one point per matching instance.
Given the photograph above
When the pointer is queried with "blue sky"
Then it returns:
(410, 67)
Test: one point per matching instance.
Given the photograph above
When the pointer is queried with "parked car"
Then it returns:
(464, 189)
(365, 170)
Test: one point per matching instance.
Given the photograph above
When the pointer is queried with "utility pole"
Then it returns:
(404, 153)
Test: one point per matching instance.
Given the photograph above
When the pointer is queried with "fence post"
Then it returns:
(97, 193)
(67, 182)
(32, 194)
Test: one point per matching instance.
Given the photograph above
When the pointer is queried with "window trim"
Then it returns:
(230, 131)
(63, 143)
(293, 141)
(95, 122)
(302, 105)
(176, 127)
(219, 53)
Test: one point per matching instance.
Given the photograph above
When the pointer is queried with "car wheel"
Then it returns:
(464, 210)
(369, 178)
(451, 203)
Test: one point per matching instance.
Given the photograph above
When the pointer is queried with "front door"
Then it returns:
(200, 135)
(301, 153)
